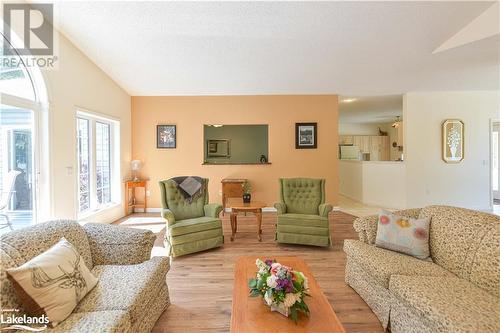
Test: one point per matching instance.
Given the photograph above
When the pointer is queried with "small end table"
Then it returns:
(130, 201)
(238, 206)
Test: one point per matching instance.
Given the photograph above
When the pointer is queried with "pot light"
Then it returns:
(349, 100)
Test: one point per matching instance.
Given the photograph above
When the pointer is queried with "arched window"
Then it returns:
(23, 110)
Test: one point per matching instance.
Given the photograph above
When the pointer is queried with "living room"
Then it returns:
(152, 151)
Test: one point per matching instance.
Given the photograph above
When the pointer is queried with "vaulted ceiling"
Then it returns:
(229, 48)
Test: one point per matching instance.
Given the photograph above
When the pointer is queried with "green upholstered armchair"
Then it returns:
(191, 226)
(303, 213)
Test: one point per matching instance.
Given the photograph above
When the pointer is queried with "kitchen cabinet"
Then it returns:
(377, 146)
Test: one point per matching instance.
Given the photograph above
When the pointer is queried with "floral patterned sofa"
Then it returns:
(131, 292)
(457, 291)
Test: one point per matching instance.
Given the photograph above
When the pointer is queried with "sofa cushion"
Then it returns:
(381, 263)
(403, 234)
(306, 220)
(53, 282)
(484, 270)
(194, 225)
(126, 287)
(113, 321)
(26, 243)
(448, 304)
(455, 235)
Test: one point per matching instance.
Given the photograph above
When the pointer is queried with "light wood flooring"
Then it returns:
(201, 284)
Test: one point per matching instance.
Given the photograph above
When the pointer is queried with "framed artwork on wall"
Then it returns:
(306, 135)
(166, 136)
(453, 140)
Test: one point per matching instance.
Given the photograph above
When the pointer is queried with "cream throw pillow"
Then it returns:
(53, 282)
(403, 234)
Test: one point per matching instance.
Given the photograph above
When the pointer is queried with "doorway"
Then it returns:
(495, 165)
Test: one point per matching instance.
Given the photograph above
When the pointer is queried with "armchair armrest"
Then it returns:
(169, 216)
(366, 227)
(212, 210)
(325, 209)
(115, 245)
(280, 207)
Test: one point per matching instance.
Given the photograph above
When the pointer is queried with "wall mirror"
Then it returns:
(236, 144)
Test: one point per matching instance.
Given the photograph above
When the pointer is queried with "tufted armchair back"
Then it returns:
(172, 198)
(302, 195)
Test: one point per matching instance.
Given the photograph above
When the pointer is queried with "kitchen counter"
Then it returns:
(376, 183)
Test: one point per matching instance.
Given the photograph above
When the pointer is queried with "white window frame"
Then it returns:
(114, 139)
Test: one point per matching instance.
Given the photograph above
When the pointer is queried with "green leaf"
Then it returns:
(254, 293)
(252, 283)
(294, 314)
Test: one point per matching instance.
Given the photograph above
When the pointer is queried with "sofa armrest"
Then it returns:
(212, 210)
(115, 245)
(169, 216)
(366, 227)
(325, 209)
(280, 207)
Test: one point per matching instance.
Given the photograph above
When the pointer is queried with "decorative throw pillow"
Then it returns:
(53, 282)
(403, 234)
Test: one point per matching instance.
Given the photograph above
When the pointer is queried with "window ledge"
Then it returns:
(85, 215)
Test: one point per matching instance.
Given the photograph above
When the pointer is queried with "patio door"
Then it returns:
(17, 155)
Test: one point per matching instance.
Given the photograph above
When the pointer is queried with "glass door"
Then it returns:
(17, 167)
(495, 149)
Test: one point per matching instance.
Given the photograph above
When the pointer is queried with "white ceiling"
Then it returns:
(370, 109)
(229, 48)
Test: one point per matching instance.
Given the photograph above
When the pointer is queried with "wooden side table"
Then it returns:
(131, 200)
(231, 188)
(238, 206)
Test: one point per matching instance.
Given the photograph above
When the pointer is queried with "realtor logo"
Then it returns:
(32, 23)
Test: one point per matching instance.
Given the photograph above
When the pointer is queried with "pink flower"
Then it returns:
(420, 233)
(384, 219)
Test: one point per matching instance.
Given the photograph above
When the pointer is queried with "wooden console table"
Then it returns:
(131, 200)
(231, 188)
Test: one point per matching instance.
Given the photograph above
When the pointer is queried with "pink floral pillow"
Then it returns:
(403, 234)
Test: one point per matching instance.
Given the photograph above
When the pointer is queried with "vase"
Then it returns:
(453, 151)
(281, 309)
(247, 197)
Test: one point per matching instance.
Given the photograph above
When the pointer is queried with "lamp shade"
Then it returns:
(135, 165)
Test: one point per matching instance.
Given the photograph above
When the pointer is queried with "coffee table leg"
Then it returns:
(259, 225)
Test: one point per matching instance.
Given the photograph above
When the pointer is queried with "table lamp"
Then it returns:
(135, 166)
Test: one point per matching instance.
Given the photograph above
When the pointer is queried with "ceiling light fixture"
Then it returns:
(397, 123)
(349, 100)
(217, 125)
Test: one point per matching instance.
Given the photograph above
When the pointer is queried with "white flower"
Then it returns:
(306, 282)
(290, 300)
(269, 299)
(272, 281)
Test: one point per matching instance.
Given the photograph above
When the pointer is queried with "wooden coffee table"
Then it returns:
(251, 314)
(238, 206)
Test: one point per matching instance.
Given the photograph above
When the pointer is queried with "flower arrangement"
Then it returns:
(453, 140)
(282, 288)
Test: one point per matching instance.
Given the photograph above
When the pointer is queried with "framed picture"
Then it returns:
(219, 148)
(166, 136)
(306, 136)
(453, 141)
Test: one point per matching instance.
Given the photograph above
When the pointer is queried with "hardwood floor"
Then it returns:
(201, 284)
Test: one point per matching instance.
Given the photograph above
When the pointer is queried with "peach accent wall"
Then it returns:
(279, 112)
